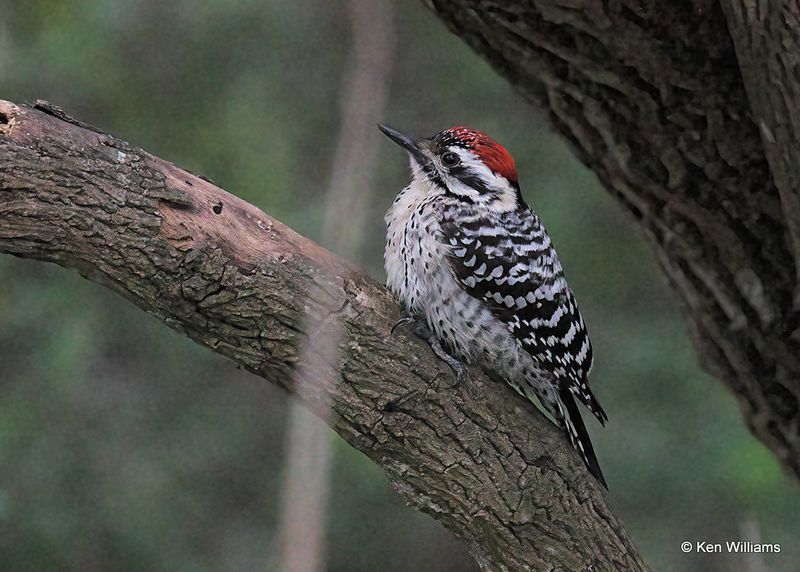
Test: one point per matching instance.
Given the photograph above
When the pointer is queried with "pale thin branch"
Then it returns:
(364, 94)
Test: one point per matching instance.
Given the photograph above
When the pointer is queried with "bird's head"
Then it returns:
(464, 163)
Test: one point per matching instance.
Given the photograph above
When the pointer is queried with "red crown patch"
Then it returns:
(493, 155)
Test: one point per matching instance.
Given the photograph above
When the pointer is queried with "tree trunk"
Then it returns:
(687, 111)
(475, 456)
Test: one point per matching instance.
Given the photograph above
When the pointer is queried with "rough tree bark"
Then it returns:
(475, 456)
(687, 111)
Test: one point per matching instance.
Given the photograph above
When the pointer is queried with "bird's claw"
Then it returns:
(423, 331)
(400, 322)
(458, 368)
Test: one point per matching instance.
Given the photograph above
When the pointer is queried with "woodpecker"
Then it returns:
(474, 267)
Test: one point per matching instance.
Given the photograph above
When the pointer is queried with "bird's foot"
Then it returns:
(457, 367)
(423, 331)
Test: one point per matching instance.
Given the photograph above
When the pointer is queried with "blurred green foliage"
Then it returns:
(124, 446)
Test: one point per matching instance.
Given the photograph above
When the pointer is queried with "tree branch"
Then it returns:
(650, 96)
(475, 456)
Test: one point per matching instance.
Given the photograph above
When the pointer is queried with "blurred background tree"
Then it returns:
(125, 446)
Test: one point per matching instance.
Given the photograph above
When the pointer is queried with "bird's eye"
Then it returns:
(450, 159)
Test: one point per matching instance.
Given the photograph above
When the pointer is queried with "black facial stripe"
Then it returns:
(432, 174)
(433, 177)
(462, 198)
(472, 180)
(457, 171)
(521, 204)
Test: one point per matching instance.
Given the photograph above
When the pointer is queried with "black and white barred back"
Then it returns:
(482, 272)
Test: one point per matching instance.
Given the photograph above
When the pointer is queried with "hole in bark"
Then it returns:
(545, 462)
(3, 118)
(217, 208)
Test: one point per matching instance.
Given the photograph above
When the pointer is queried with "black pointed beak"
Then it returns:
(407, 142)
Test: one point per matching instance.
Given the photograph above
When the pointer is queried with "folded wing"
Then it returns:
(510, 264)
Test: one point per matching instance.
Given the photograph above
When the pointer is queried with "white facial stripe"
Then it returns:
(477, 168)
(502, 196)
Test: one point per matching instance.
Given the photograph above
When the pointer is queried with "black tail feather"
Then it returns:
(579, 436)
(586, 397)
